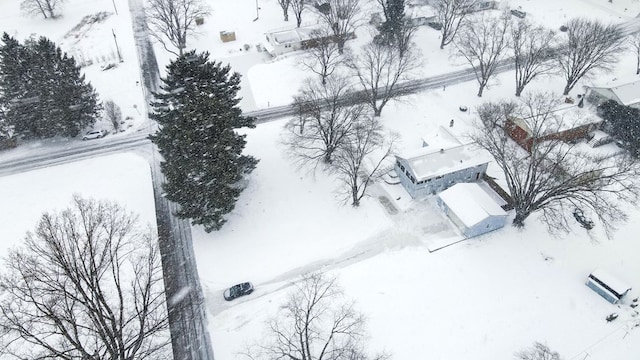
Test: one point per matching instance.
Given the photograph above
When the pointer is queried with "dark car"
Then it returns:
(518, 13)
(582, 220)
(435, 25)
(238, 290)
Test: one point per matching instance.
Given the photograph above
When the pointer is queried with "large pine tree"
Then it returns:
(198, 114)
(14, 75)
(43, 90)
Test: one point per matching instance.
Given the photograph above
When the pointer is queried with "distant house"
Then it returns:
(282, 41)
(627, 94)
(470, 207)
(279, 42)
(607, 286)
(439, 164)
(576, 123)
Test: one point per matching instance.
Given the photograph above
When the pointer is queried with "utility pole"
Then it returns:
(117, 48)
(257, 11)
(114, 6)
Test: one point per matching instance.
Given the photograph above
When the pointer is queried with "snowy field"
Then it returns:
(480, 299)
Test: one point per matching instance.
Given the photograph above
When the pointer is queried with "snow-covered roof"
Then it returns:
(568, 117)
(627, 93)
(430, 161)
(441, 139)
(470, 203)
(295, 35)
(611, 281)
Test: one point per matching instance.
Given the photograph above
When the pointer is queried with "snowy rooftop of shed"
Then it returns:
(470, 203)
(611, 281)
(431, 161)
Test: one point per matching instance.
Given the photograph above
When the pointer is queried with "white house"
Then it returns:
(472, 209)
(441, 162)
(627, 94)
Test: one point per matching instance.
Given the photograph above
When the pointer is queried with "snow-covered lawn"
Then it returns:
(123, 178)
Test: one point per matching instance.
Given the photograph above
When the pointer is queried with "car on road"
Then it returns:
(236, 291)
(95, 134)
(518, 13)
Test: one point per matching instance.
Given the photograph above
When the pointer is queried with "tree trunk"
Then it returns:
(286, 15)
(519, 89)
(354, 196)
(50, 9)
(480, 90)
(567, 88)
(377, 111)
(518, 221)
(340, 41)
(638, 65)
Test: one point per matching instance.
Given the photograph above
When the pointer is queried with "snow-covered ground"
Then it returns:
(483, 298)
(93, 45)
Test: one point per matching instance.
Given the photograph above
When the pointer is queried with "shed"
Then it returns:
(471, 208)
(607, 286)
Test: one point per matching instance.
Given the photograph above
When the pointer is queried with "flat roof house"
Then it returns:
(471, 209)
(430, 169)
(282, 41)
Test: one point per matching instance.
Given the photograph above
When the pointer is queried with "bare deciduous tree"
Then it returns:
(285, 4)
(554, 177)
(482, 41)
(589, 46)
(361, 159)
(113, 114)
(379, 68)
(317, 323)
(298, 6)
(174, 20)
(538, 351)
(533, 49)
(45, 7)
(451, 15)
(322, 57)
(634, 44)
(325, 117)
(342, 17)
(85, 285)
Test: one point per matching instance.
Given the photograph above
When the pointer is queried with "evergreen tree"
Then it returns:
(43, 90)
(14, 74)
(198, 115)
(391, 29)
(623, 123)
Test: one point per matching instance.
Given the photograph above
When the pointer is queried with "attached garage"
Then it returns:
(472, 209)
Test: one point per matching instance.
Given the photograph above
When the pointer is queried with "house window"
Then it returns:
(477, 176)
(413, 180)
(439, 177)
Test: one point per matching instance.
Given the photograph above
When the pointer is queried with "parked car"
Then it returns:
(518, 13)
(582, 220)
(434, 24)
(236, 291)
(95, 134)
